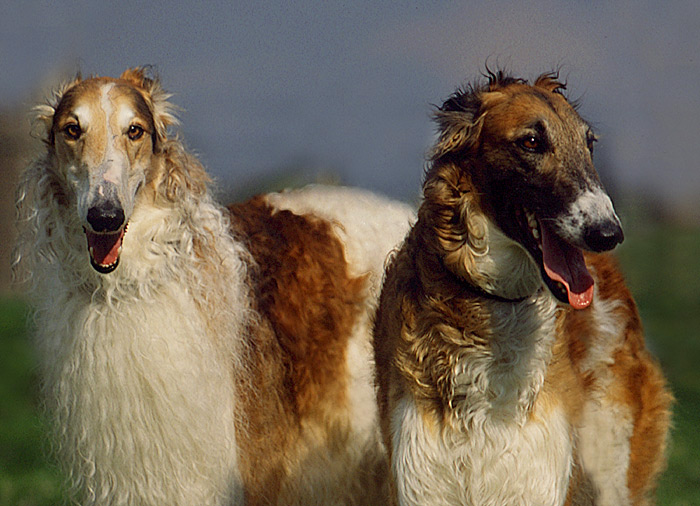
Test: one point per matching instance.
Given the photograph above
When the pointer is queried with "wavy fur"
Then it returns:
(116, 397)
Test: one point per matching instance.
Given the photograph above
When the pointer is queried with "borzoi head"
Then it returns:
(527, 155)
(103, 135)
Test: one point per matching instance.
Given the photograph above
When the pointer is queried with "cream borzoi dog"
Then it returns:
(193, 355)
(511, 364)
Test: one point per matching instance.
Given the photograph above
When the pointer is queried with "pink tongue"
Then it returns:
(564, 263)
(104, 248)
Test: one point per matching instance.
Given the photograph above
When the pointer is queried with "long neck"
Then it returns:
(453, 227)
(494, 316)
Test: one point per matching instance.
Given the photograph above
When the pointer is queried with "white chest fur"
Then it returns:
(142, 396)
(496, 447)
(500, 380)
(502, 464)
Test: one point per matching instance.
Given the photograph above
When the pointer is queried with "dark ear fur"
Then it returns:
(550, 82)
(459, 122)
(460, 118)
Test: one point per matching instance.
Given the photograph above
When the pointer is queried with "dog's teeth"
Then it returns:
(532, 224)
(531, 220)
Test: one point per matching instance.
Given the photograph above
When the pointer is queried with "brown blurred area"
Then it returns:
(17, 148)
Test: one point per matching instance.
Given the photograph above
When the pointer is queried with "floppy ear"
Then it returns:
(459, 123)
(42, 120)
(164, 112)
(181, 175)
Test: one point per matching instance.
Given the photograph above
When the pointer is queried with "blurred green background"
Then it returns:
(660, 258)
(662, 264)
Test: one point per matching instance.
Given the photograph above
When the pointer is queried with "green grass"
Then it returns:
(26, 477)
(663, 270)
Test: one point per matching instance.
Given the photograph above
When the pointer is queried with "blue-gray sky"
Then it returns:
(347, 86)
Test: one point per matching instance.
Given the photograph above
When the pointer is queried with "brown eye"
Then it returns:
(531, 143)
(73, 131)
(135, 132)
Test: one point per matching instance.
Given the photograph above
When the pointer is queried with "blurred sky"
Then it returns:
(348, 86)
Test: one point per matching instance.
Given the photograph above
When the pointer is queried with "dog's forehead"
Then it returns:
(128, 103)
(519, 106)
(98, 99)
(78, 102)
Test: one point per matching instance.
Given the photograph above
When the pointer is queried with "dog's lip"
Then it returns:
(105, 248)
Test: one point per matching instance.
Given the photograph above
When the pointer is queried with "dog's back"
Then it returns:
(318, 255)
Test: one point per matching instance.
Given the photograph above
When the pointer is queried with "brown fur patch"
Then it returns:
(424, 309)
(308, 304)
(638, 380)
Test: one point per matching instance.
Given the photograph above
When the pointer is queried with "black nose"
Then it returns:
(603, 236)
(105, 217)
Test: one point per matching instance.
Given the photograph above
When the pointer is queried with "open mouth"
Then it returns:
(104, 249)
(562, 265)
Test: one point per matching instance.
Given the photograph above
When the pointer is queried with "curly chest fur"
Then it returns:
(481, 407)
(137, 381)
(474, 361)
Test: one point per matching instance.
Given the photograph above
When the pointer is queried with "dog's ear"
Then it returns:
(550, 82)
(180, 174)
(459, 123)
(43, 114)
(164, 112)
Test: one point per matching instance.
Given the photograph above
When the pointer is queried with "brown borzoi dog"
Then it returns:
(191, 354)
(510, 357)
